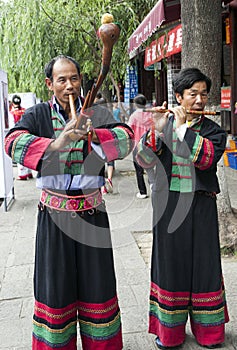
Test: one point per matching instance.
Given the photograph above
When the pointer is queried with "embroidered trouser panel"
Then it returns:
(74, 282)
(186, 275)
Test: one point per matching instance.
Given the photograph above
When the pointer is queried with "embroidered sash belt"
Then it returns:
(65, 202)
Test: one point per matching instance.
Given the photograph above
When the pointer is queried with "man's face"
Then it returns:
(194, 98)
(66, 81)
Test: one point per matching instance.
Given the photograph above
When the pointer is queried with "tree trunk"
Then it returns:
(202, 40)
(227, 218)
(202, 48)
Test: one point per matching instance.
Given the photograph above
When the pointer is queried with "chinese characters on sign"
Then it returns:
(226, 97)
(131, 84)
(165, 46)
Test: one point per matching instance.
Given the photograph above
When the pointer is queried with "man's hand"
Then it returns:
(160, 119)
(180, 115)
(64, 138)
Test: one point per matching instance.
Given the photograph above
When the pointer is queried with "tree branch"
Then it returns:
(53, 20)
(92, 47)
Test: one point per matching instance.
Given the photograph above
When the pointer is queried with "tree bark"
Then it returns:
(202, 48)
(202, 40)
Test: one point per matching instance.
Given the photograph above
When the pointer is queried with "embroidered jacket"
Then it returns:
(28, 141)
(186, 166)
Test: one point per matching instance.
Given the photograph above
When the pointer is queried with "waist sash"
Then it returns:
(65, 202)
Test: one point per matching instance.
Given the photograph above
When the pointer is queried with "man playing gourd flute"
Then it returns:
(74, 278)
(186, 273)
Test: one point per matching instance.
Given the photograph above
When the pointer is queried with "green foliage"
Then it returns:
(34, 31)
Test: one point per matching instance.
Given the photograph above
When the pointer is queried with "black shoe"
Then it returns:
(159, 344)
(163, 347)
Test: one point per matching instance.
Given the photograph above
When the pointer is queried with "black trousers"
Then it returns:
(140, 178)
(74, 280)
(186, 273)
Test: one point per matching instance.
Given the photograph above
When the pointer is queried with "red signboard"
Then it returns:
(165, 46)
(226, 97)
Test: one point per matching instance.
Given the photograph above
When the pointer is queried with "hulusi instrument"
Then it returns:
(109, 33)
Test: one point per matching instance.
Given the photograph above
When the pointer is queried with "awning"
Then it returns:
(231, 3)
(163, 12)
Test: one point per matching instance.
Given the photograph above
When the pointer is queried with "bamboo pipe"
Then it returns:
(72, 107)
(188, 111)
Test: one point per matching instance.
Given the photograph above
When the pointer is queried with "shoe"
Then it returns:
(141, 196)
(23, 178)
(104, 190)
(109, 186)
(30, 176)
(212, 346)
(161, 346)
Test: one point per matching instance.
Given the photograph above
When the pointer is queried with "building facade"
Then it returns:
(155, 50)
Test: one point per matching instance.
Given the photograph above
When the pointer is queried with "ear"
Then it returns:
(49, 84)
(178, 97)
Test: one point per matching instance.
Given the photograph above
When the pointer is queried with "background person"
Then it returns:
(16, 113)
(74, 277)
(186, 273)
(140, 121)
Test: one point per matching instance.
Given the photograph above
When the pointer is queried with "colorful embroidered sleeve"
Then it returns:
(25, 148)
(204, 150)
(117, 142)
(145, 156)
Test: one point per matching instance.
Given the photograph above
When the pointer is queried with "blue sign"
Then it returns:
(131, 83)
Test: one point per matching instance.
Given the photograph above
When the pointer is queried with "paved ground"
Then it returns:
(130, 220)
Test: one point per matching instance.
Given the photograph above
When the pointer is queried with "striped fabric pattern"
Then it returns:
(100, 325)
(169, 312)
(168, 315)
(202, 153)
(25, 148)
(146, 157)
(181, 179)
(204, 156)
(169, 308)
(201, 156)
(54, 328)
(71, 156)
(116, 143)
(208, 308)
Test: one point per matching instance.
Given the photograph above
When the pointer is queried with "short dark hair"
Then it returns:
(140, 100)
(187, 77)
(49, 66)
(16, 100)
(99, 95)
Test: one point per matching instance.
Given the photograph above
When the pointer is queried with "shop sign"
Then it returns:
(226, 97)
(165, 46)
(131, 83)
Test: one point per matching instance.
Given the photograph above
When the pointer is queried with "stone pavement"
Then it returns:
(130, 220)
